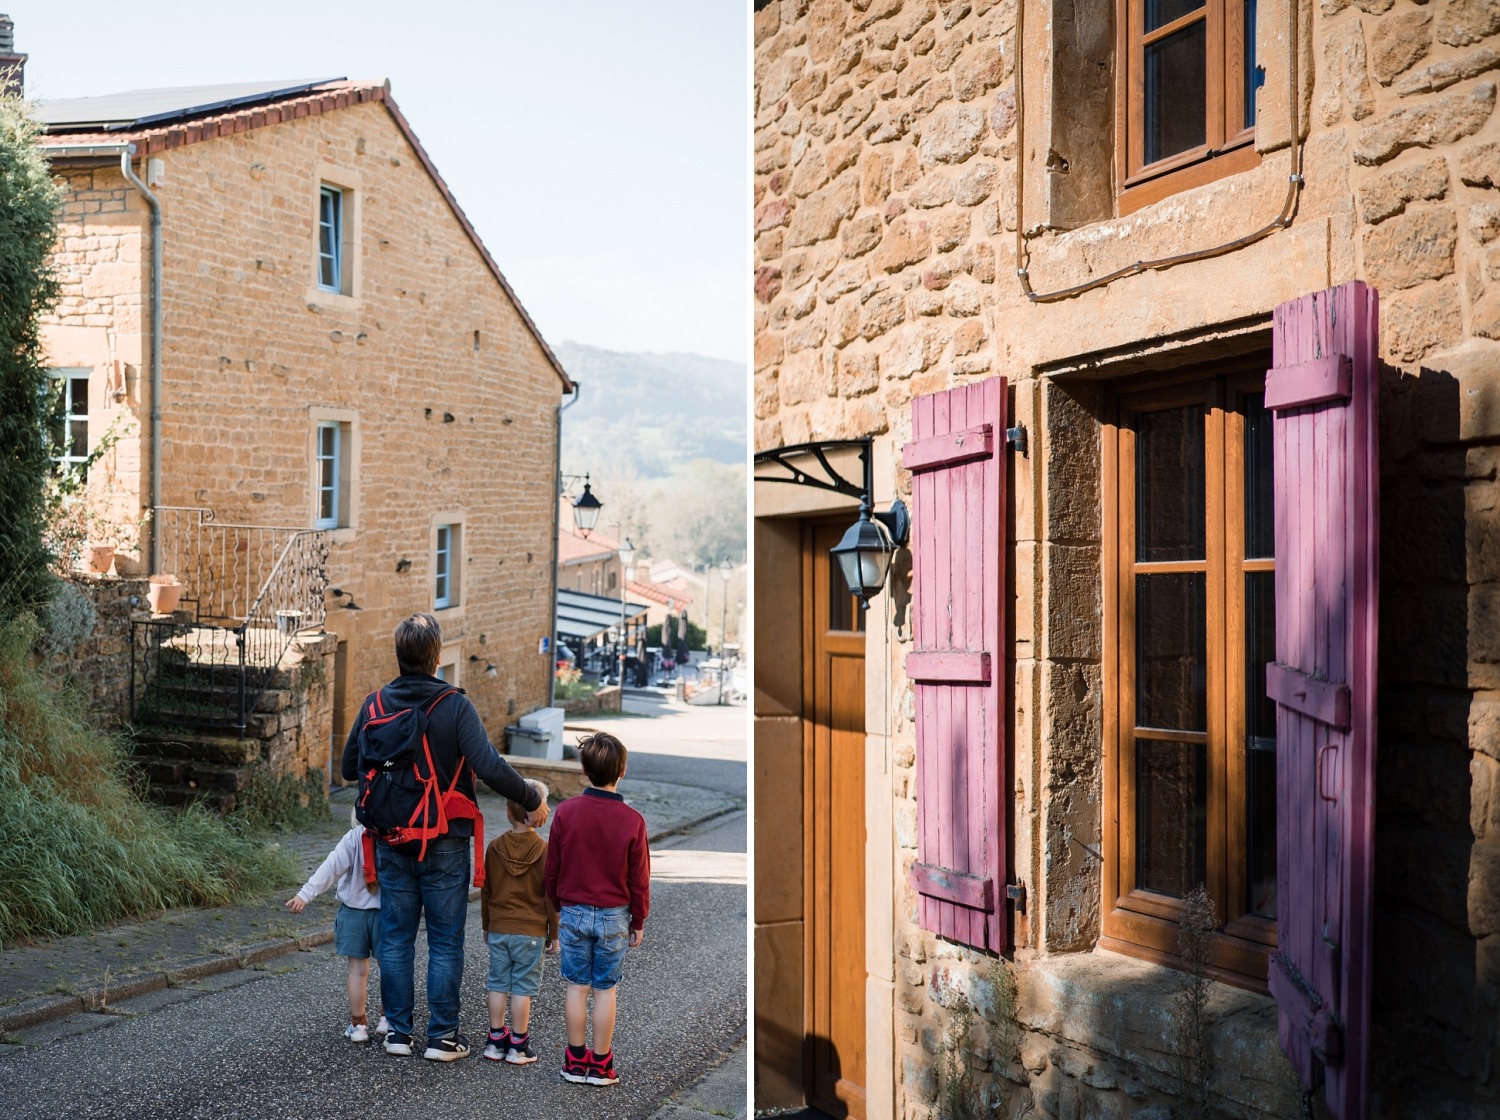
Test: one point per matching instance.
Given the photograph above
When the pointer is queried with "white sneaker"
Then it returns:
(357, 1032)
(398, 1044)
(382, 1027)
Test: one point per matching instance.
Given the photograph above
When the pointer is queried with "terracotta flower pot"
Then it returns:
(163, 593)
(98, 558)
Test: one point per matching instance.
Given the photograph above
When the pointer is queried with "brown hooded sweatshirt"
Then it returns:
(513, 899)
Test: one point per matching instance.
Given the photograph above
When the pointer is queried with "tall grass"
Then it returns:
(79, 848)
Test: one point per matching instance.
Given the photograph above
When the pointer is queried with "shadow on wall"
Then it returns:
(1434, 1009)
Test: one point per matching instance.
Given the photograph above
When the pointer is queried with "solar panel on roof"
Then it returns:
(141, 107)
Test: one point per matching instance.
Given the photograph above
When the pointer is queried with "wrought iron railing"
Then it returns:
(209, 667)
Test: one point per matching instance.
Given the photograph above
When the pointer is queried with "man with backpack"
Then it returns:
(415, 749)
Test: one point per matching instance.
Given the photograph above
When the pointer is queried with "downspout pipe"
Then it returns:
(151, 201)
(556, 533)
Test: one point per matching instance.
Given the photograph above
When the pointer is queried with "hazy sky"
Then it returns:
(600, 148)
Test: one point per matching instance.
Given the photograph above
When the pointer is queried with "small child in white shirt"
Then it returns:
(356, 928)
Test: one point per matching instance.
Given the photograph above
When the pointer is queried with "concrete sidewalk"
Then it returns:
(53, 979)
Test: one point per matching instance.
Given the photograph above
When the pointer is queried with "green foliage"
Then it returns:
(81, 504)
(571, 685)
(70, 619)
(957, 1093)
(282, 802)
(28, 230)
(81, 848)
(696, 637)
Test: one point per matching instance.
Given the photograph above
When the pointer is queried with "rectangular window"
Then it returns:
(445, 565)
(1188, 83)
(1192, 741)
(331, 240)
(329, 476)
(68, 428)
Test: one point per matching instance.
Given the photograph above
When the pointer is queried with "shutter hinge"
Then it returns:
(1016, 437)
(1016, 892)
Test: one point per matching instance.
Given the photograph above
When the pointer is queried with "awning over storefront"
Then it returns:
(582, 616)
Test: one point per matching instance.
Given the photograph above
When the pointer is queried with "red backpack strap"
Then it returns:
(367, 842)
(458, 806)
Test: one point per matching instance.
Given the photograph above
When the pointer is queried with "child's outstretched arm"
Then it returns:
(338, 863)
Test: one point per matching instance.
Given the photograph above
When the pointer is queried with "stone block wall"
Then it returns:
(99, 665)
(450, 399)
(887, 200)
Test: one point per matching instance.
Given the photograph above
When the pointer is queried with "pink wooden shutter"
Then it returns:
(1322, 389)
(957, 665)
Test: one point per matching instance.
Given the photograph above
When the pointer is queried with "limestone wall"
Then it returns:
(450, 400)
(887, 150)
(99, 665)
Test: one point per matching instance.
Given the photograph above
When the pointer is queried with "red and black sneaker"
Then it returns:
(576, 1067)
(602, 1068)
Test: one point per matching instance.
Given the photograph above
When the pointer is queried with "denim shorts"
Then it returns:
(515, 963)
(356, 933)
(593, 944)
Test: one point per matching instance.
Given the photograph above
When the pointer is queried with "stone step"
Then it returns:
(180, 796)
(198, 747)
(167, 773)
(191, 722)
(184, 694)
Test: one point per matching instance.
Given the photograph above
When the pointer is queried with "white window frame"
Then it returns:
(341, 528)
(328, 485)
(331, 233)
(69, 375)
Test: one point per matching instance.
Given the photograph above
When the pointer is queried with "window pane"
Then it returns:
(1171, 641)
(843, 608)
(1260, 482)
(441, 587)
(1159, 13)
(1253, 77)
(1260, 735)
(1176, 93)
(1171, 816)
(1169, 485)
(78, 439)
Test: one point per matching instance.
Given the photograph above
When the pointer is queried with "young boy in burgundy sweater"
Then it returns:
(598, 876)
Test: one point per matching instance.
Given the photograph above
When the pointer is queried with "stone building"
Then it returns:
(348, 394)
(1033, 262)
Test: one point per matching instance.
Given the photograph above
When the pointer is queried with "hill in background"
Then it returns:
(664, 439)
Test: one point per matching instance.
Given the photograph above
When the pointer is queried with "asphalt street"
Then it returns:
(692, 746)
(267, 1043)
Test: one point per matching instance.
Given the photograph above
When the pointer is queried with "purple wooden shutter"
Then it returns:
(1322, 390)
(957, 664)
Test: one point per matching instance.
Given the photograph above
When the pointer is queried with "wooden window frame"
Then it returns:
(1228, 147)
(1144, 923)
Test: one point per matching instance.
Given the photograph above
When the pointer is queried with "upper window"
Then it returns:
(445, 566)
(1192, 745)
(69, 423)
(1187, 94)
(331, 270)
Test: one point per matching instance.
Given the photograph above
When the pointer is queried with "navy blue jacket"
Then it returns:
(453, 730)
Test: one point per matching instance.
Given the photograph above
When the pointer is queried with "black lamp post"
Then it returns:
(725, 571)
(627, 557)
(864, 553)
(586, 510)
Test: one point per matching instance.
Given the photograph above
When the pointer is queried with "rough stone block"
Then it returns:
(1398, 42)
(1442, 120)
(952, 134)
(1461, 22)
(1387, 195)
(1421, 320)
(1411, 248)
(818, 216)
(1447, 72)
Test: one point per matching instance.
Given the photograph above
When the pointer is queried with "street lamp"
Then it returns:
(586, 510)
(627, 554)
(725, 571)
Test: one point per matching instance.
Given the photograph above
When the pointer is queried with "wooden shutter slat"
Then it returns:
(950, 666)
(949, 449)
(1303, 384)
(967, 890)
(1325, 701)
(958, 504)
(1325, 354)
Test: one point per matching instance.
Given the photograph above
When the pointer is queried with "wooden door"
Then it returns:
(833, 732)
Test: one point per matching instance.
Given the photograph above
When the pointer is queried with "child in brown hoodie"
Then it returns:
(518, 920)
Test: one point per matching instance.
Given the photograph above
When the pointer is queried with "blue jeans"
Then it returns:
(438, 885)
(594, 940)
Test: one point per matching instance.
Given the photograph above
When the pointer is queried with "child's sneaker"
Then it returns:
(447, 1049)
(382, 1027)
(398, 1044)
(575, 1069)
(498, 1045)
(602, 1069)
(519, 1052)
(357, 1032)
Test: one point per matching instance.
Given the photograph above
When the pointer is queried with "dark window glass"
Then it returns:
(1159, 13)
(1260, 735)
(1171, 816)
(1171, 638)
(1254, 77)
(1260, 481)
(1169, 485)
(1176, 93)
(844, 612)
(330, 219)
